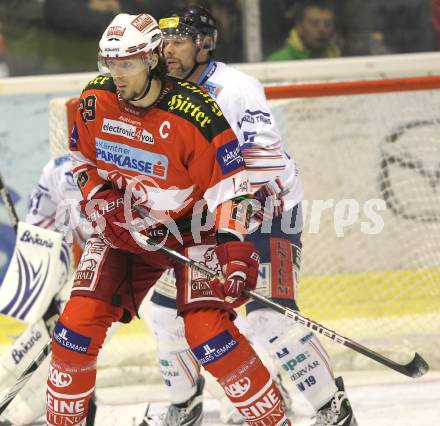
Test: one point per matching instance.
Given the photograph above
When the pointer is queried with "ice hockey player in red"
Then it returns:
(149, 153)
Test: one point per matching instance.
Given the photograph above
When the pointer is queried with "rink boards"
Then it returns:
(316, 295)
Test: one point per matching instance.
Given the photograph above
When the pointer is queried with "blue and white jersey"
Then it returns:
(54, 202)
(272, 171)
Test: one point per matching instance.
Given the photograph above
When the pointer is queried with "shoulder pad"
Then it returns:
(101, 82)
(193, 103)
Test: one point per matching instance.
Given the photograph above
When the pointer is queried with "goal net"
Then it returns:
(369, 157)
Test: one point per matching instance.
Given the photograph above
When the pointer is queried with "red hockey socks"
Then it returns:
(228, 356)
(77, 338)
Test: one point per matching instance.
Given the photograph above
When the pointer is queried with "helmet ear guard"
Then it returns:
(209, 42)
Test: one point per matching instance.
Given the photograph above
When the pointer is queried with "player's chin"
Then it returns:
(174, 71)
(125, 94)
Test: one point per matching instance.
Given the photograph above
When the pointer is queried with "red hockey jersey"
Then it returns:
(173, 154)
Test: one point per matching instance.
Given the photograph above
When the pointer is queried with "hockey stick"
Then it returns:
(12, 213)
(25, 376)
(417, 367)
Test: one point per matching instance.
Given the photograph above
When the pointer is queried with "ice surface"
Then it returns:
(379, 398)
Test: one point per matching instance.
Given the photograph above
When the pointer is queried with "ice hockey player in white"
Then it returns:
(190, 41)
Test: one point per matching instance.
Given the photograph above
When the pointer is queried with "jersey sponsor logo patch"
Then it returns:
(213, 89)
(116, 31)
(35, 239)
(254, 117)
(59, 161)
(73, 145)
(129, 158)
(306, 338)
(282, 268)
(193, 111)
(207, 99)
(197, 284)
(70, 339)
(64, 411)
(241, 187)
(100, 80)
(141, 22)
(215, 348)
(264, 279)
(114, 127)
(305, 370)
(229, 157)
(291, 364)
(263, 408)
(200, 288)
(282, 353)
(86, 277)
(26, 346)
(83, 178)
(238, 388)
(60, 379)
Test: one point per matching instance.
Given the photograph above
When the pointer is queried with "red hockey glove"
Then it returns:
(239, 262)
(105, 212)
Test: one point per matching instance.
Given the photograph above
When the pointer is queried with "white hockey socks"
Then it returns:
(298, 353)
(180, 370)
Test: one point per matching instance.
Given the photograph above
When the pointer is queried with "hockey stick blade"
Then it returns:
(24, 377)
(415, 368)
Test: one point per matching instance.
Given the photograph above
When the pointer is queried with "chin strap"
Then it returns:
(193, 69)
(196, 65)
(147, 88)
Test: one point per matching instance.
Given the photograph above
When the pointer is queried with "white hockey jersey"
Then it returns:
(272, 171)
(54, 202)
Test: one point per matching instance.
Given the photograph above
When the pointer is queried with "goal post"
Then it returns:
(360, 87)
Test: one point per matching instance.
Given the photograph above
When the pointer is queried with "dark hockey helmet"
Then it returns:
(194, 21)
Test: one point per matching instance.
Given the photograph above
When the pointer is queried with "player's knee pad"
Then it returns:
(77, 338)
(228, 356)
(168, 328)
(298, 353)
(180, 370)
(267, 325)
(29, 404)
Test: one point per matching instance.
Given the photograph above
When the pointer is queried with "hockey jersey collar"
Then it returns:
(211, 66)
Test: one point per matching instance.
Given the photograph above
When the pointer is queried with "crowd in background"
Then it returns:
(60, 36)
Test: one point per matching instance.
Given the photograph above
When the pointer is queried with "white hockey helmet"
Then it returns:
(129, 36)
